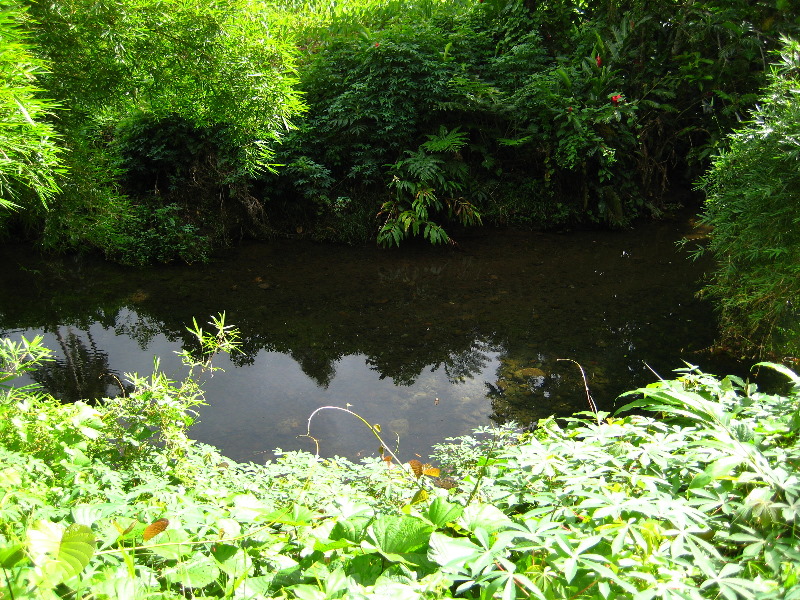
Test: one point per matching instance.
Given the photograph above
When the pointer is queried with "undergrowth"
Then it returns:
(698, 500)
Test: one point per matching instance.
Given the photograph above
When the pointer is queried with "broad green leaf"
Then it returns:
(353, 529)
(368, 566)
(719, 468)
(485, 516)
(441, 512)
(447, 551)
(398, 574)
(120, 586)
(299, 515)
(87, 514)
(10, 477)
(11, 555)
(253, 586)
(306, 591)
(234, 561)
(399, 534)
(197, 572)
(420, 496)
(171, 544)
(229, 528)
(63, 553)
(246, 507)
(323, 546)
(337, 581)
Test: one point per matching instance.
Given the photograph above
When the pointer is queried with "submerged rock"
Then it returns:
(529, 372)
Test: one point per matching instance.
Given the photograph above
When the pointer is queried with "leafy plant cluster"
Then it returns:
(430, 179)
(753, 205)
(570, 113)
(701, 502)
(162, 104)
(31, 157)
(566, 113)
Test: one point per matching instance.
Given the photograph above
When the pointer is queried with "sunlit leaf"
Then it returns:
(353, 529)
(445, 550)
(399, 534)
(197, 572)
(62, 552)
(485, 516)
(11, 555)
(441, 512)
(419, 496)
(178, 549)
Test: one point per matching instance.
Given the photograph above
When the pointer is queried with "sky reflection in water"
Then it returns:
(427, 342)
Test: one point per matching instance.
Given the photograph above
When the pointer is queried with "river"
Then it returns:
(427, 342)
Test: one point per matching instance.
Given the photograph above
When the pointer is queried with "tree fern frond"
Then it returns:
(446, 141)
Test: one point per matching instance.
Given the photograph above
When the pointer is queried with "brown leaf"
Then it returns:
(155, 528)
(431, 471)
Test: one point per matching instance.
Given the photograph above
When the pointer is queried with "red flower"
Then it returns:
(377, 44)
(598, 60)
(569, 109)
(616, 99)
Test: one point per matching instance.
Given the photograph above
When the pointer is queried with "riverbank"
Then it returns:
(629, 506)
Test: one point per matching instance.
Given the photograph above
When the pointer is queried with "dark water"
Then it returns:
(428, 342)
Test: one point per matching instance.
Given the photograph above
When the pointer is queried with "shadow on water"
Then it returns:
(428, 342)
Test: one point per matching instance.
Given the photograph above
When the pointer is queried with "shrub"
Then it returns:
(31, 160)
(753, 204)
(183, 101)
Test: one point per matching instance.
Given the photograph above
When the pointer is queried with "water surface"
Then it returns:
(427, 342)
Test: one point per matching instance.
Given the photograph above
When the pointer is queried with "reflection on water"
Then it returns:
(79, 370)
(428, 342)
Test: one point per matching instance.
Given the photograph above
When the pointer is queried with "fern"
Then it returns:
(446, 141)
(420, 165)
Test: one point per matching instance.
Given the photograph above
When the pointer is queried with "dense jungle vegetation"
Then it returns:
(158, 130)
(155, 130)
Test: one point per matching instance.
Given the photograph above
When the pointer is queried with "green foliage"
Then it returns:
(180, 103)
(574, 113)
(701, 502)
(31, 160)
(155, 235)
(430, 179)
(753, 205)
(211, 64)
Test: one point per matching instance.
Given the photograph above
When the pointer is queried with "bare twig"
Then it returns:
(592, 404)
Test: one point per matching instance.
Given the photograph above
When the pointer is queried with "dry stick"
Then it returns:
(592, 405)
(654, 372)
(374, 431)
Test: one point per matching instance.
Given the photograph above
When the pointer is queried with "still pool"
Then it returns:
(427, 342)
